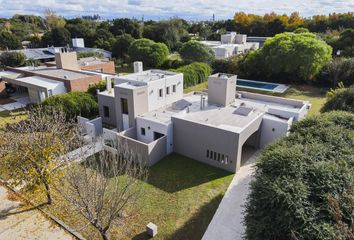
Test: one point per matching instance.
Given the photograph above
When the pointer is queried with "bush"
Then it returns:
(150, 53)
(303, 182)
(101, 86)
(12, 59)
(233, 65)
(341, 99)
(194, 73)
(73, 104)
(89, 54)
(194, 51)
(289, 57)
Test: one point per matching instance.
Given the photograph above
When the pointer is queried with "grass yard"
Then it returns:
(180, 196)
(303, 92)
(12, 116)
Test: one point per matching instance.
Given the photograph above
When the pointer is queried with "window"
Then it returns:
(161, 92)
(207, 154)
(106, 111)
(167, 90)
(174, 88)
(124, 105)
(142, 130)
(211, 154)
(218, 157)
(50, 92)
(215, 156)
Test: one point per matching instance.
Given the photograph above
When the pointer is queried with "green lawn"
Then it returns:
(180, 196)
(303, 92)
(12, 116)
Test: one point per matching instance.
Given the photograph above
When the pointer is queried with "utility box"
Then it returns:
(151, 229)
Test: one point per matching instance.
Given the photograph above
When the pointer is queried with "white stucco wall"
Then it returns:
(155, 101)
(154, 126)
(273, 128)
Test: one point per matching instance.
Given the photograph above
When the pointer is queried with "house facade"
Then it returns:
(150, 112)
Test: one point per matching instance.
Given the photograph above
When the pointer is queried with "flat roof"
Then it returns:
(56, 72)
(148, 76)
(234, 117)
(9, 74)
(92, 61)
(37, 82)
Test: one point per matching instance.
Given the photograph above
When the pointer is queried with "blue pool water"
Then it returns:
(255, 84)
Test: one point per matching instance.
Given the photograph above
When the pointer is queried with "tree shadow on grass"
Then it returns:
(176, 172)
(195, 227)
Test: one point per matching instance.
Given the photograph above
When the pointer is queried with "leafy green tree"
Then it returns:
(345, 43)
(341, 99)
(341, 70)
(152, 54)
(9, 41)
(301, 30)
(53, 20)
(12, 59)
(303, 187)
(72, 104)
(126, 25)
(121, 46)
(57, 37)
(289, 56)
(194, 51)
(194, 73)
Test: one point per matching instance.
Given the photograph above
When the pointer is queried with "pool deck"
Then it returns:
(280, 88)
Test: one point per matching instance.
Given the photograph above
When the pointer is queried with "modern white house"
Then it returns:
(150, 112)
(231, 44)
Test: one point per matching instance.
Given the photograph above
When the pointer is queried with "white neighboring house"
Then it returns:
(231, 44)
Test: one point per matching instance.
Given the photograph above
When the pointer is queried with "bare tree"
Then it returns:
(32, 148)
(104, 187)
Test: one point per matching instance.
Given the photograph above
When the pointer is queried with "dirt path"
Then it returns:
(20, 224)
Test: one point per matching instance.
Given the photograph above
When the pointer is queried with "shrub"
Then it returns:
(194, 73)
(150, 53)
(12, 59)
(73, 104)
(303, 182)
(289, 57)
(89, 54)
(101, 86)
(231, 65)
(341, 99)
(194, 51)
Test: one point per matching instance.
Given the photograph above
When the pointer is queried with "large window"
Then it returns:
(174, 88)
(161, 93)
(167, 90)
(124, 105)
(106, 111)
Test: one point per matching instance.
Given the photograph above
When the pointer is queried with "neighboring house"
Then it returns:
(48, 54)
(154, 118)
(231, 44)
(260, 40)
(42, 82)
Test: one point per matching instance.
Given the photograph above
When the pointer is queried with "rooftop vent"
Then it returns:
(243, 111)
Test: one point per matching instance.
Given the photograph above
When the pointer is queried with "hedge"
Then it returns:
(303, 187)
(73, 104)
(194, 73)
(341, 99)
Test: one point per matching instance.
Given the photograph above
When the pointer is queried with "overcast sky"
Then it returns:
(162, 9)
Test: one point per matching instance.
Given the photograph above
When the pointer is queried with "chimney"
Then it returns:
(221, 89)
(66, 60)
(109, 84)
(138, 67)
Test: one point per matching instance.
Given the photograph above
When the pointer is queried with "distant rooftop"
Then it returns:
(91, 61)
(38, 82)
(54, 72)
(148, 76)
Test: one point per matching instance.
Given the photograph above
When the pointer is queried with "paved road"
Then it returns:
(227, 221)
(25, 225)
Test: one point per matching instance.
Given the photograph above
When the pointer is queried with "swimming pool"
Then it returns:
(264, 86)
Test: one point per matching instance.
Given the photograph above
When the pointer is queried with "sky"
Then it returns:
(164, 9)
